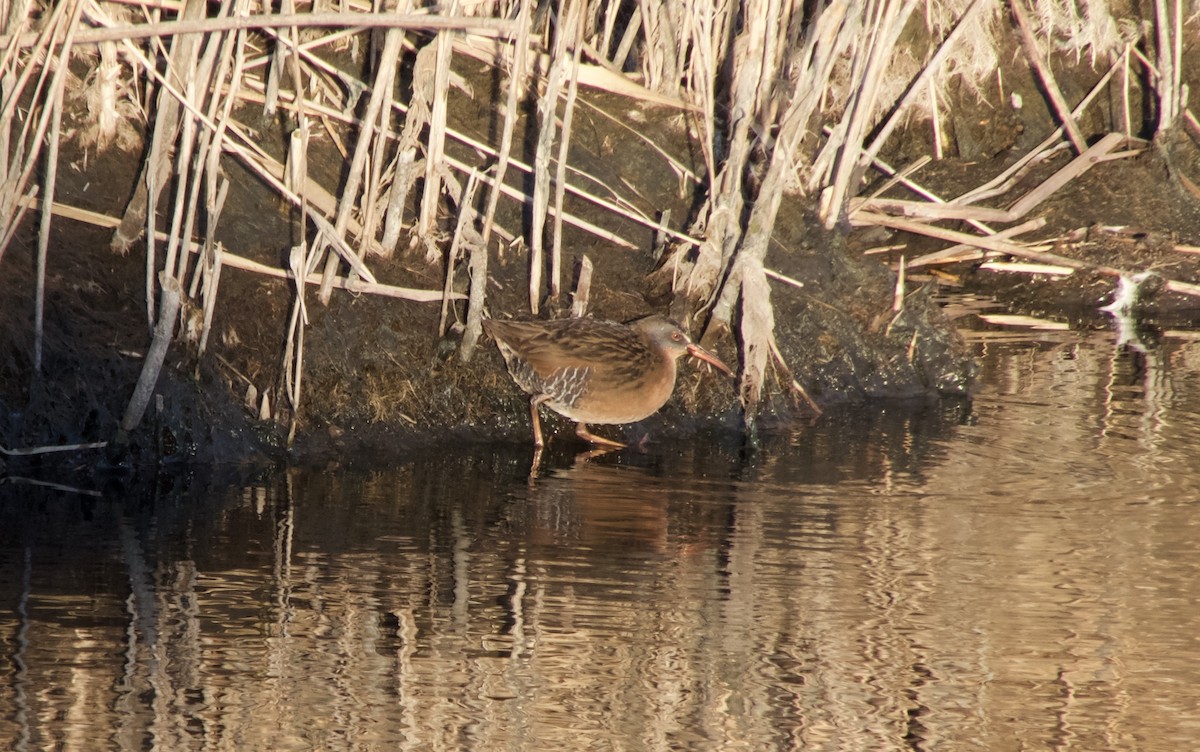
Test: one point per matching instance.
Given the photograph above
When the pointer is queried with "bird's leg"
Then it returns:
(534, 403)
(581, 430)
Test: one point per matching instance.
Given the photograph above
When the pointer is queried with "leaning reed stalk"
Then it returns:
(172, 298)
(211, 259)
(406, 163)
(573, 31)
(237, 143)
(294, 375)
(204, 79)
(919, 84)
(516, 77)
(1042, 65)
(389, 59)
(183, 170)
(302, 260)
(18, 12)
(891, 18)
(373, 198)
(167, 121)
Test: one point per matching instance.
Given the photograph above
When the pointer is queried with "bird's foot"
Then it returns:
(581, 430)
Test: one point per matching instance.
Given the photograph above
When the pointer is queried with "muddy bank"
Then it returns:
(377, 374)
(377, 378)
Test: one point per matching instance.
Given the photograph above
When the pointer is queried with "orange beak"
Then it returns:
(698, 352)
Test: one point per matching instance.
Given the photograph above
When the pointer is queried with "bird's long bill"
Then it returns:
(698, 352)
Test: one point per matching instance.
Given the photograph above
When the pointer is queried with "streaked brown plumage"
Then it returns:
(595, 371)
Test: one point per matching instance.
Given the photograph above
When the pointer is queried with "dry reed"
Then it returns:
(782, 97)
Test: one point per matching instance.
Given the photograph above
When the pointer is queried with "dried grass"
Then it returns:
(783, 96)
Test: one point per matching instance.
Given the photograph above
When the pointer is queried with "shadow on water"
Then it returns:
(1016, 572)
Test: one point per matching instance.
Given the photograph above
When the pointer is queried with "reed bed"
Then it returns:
(781, 97)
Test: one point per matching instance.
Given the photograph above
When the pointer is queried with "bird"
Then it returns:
(594, 371)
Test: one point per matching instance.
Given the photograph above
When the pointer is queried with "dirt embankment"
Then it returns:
(376, 376)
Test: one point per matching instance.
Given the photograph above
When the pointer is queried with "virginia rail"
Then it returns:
(595, 371)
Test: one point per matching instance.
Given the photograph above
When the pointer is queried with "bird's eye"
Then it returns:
(677, 336)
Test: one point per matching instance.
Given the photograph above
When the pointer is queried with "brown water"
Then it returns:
(1020, 573)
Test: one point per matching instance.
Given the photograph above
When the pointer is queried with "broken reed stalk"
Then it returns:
(211, 258)
(583, 288)
(1012, 249)
(302, 261)
(168, 313)
(406, 166)
(962, 252)
(477, 268)
(285, 48)
(1002, 182)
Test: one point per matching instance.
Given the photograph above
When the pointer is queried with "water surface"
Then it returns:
(1018, 572)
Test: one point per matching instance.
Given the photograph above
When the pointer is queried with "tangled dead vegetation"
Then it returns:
(776, 98)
